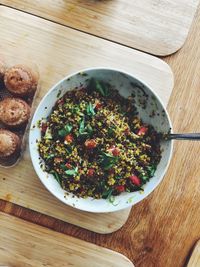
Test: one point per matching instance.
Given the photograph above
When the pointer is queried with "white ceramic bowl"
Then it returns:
(126, 84)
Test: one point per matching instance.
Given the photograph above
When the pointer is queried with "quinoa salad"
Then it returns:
(95, 144)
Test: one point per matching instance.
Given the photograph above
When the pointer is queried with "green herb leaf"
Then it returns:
(82, 126)
(151, 170)
(48, 134)
(56, 176)
(90, 109)
(111, 131)
(107, 193)
(75, 109)
(85, 130)
(108, 161)
(111, 199)
(99, 88)
(66, 130)
(62, 132)
(89, 129)
(72, 172)
(50, 156)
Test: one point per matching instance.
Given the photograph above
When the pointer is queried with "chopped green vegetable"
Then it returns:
(56, 176)
(107, 193)
(72, 172)
(90, 110)
(111, 199)
(102, 88)
(48, 134)
(85, 130)
(50, 156)
(82, 127)
(111, 131)
(65, 131)
(89, 129)
(99, 86)
(108, 161)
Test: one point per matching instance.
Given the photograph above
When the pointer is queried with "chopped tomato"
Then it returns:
(135, 180)
(114, 150)
(90, 172)
(43, 127)
(68, 165)
(69, 138)
(90, 144)
(142, 130)
(98, 105)
(120, 188)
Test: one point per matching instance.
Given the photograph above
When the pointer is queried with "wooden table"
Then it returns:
(163, 228)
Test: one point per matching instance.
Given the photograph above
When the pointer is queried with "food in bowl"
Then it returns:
(150, 110)
(95, 143)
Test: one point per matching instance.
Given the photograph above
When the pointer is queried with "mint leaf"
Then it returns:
(72, 172)
(66, 130)
(56, 176)
(90, 110)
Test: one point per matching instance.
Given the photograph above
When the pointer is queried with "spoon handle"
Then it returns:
(185, 136)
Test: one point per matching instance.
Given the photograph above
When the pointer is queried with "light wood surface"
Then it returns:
(162, 229)
(157, 26)
(24, 244)
(194, 260)
(57, 52)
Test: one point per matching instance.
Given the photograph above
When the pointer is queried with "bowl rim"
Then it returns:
(112, 208)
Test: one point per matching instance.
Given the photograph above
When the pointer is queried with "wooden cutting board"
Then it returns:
(194, 260)
(58, 51)
(23, 244)
(159, 27)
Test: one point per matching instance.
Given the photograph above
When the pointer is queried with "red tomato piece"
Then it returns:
(69, 138)
(90, 144)
(135, 180)
(98, 105)
(68, 165)
(114, 150)
(120, 188)
(142, 130)
(90, 172)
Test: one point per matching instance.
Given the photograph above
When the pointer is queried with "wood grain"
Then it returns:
(25, 244)
(194, 260)
(195, 257)
(58, 51)
(157, 26)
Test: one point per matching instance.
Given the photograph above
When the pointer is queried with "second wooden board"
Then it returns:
(59, 51)
(159, 27)
(23, 244)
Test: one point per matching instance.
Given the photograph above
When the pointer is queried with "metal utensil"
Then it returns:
(183, 136)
